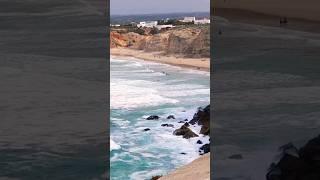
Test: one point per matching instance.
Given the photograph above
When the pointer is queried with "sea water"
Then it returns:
(139, 89)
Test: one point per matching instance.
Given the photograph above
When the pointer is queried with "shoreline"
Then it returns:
(197, 169)
(201, 64)
(256, 17)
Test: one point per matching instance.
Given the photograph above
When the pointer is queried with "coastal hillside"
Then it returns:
(191, 42)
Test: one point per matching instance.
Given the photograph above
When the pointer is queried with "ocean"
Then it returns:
(266, 94)
(139, 89)
(53, 85)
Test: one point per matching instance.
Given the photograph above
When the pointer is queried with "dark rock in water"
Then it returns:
(185, 132)
(205, 130)
(181, 122)
(311, 152)
(204, 149)
(235, 156)
(199, 142)
(155, 177)
(183, 153)
(171, 117)
(186, 120)
(154, 117)
(167, 125)
(202, 117)
(187, 124)
(147, 129)
(294, 164)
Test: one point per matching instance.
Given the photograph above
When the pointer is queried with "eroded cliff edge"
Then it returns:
(189, 42)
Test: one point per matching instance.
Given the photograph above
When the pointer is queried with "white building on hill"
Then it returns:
(159, 27)
(115, 25)
(202, 21)
(188, 19)
(149, 24)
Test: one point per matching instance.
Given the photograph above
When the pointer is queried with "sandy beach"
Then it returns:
(197, 169)
(193, 63)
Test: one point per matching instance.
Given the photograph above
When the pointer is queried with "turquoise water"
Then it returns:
(140, 89)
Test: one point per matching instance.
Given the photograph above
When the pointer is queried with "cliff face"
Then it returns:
(187, 42)
(201, 45)
(157, 42)
(124, 40)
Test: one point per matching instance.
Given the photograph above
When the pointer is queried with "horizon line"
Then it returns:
(159, 13)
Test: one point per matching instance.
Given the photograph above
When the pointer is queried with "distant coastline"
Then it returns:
(127, 18)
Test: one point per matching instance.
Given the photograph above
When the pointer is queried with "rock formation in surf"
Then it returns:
(297, 164)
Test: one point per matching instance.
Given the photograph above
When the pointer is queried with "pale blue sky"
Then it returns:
(158, 6)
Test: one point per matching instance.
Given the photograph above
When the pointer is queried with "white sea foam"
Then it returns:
(120, 122)
(113, 145)
(125, 96)
(140, 175)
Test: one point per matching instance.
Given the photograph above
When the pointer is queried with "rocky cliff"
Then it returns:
(183, 41)
(297, 164)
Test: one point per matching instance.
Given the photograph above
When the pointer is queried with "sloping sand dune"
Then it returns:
(198, 169)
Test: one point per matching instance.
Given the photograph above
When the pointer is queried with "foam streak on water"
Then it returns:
(140, 89)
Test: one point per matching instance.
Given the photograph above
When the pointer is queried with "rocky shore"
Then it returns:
(201, 118)
(297, 164)
(199, 168)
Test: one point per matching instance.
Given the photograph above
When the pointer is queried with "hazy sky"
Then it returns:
(158, 6)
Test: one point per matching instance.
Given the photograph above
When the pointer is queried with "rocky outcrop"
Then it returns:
(171, 117)
(128, 39)
(153, 117)
(185, 132)
(156, 177)
(157, 42)
(204, 149)
(200, 47)
(179, 41)
(303, 164)
(202, 117)
(117, 40)
(167, 125)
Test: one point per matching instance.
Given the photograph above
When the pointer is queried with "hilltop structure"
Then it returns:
(149, 24)
(202, 21)
(188, 19)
